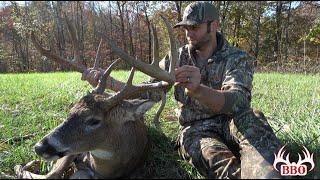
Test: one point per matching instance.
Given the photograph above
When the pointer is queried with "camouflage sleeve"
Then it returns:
(237, 83)
(156, 95)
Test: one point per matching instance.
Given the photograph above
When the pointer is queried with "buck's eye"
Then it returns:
(93, 122)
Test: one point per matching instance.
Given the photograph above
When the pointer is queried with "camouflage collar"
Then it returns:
(221, 43)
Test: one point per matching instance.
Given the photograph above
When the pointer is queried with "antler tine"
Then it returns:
(151, 70)
(130, 91)
(156, 58)
(173, 48)
(74, 39)
(97, 60)
(148, 69)
(130, 79)
(48, 53)
(103, 79)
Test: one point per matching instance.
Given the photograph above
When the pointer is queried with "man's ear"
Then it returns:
(215, 25)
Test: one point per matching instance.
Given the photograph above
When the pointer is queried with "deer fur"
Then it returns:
(111, 144)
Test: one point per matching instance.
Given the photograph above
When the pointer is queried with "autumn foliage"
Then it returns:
(282, 35)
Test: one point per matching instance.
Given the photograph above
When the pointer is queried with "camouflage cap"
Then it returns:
(197, 13)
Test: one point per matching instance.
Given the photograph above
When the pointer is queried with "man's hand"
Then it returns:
(188, 77)
(92, 76)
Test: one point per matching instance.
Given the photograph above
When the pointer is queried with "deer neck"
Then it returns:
(105, 163)
(102, 154)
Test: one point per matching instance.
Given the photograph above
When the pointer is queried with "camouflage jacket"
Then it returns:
(229, 69)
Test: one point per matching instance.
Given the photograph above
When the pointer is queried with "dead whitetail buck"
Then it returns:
(105, 134)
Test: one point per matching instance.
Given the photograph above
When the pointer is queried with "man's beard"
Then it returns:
(200, 44)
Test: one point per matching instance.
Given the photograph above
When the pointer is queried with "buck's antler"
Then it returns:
(153, 70)
(58, 59)
(130, 90)
(75, 63)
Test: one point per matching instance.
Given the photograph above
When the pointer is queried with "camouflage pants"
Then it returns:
(241, 147)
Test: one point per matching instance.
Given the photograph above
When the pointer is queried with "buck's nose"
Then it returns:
(44, 149)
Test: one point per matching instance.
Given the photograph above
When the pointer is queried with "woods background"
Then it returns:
(284, 36)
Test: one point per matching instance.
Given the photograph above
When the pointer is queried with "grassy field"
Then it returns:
(32, 104)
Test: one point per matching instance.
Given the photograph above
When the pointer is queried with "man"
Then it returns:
(221, 136)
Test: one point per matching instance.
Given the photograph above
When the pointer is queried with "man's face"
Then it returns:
(197, 35)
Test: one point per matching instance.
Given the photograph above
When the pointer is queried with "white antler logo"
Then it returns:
(292, 168)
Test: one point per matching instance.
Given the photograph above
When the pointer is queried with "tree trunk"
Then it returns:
(111, 30)
(120, 8)
(287, 43)
(257, 39)
(149, 34)
(277, 43)
(59, 29)
(223, 17)
(178, 6)
(237, 22)
(180, 34)
(81, 32)
(139, 34)
(20, 45)
(132, 52)
(96, 40)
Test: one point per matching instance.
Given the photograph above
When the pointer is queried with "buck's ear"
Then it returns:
(140, 107)
(144, 107)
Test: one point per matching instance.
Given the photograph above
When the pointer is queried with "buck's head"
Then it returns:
(91, 125)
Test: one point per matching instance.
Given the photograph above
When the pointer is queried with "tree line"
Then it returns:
(282, 35)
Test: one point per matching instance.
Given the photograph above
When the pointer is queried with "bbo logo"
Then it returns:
(291, 168)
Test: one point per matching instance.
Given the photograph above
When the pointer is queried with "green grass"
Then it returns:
(36, 103)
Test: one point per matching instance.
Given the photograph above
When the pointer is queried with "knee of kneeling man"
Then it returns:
(259, 114)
